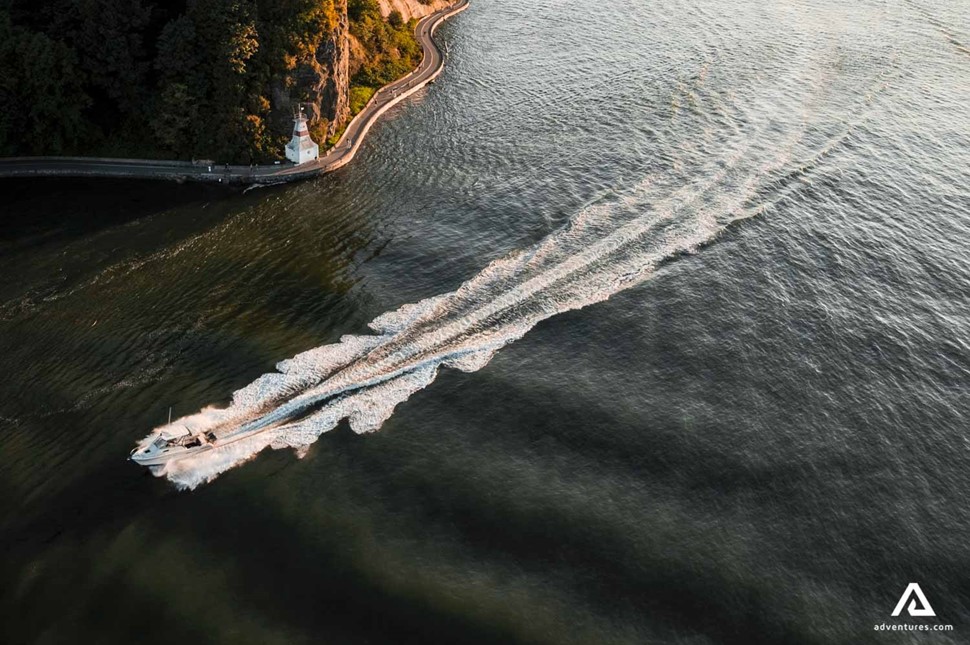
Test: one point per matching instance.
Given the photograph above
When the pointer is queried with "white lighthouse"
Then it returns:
(301, 147)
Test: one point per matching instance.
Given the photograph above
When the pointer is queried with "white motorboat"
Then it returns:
(170, 443)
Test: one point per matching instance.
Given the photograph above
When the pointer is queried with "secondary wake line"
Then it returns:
(604, 249)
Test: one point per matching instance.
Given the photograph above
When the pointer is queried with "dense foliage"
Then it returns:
(392, 48)
(178, 79)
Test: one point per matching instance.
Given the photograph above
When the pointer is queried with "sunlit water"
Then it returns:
(655, 318)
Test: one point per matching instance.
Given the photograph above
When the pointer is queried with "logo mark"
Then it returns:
(924, 608)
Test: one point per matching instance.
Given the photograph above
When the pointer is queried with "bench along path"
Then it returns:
(341, 154)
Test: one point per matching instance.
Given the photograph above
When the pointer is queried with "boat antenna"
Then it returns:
(169, 415)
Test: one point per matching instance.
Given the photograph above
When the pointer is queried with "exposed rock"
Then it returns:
(320, 81)
(358, 54)
(412, 8)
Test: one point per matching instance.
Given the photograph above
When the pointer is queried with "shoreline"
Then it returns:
(341, 154)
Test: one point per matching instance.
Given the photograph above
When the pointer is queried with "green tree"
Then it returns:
(109, 39)
(207, 86)
(357, 10)
(198, 76)
(175, 119)
(42, 98)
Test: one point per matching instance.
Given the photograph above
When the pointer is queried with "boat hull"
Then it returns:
(163, 458)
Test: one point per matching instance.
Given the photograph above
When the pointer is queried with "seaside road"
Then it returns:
(430, 67)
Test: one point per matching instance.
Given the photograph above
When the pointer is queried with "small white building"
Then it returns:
(301, 147)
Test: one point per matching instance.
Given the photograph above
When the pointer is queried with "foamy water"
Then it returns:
(605, 248)
(760, 436)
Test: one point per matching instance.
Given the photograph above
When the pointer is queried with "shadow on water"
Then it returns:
(245, 538)
(319, 550)
(610, 569)
(305, 543)
(41, 210)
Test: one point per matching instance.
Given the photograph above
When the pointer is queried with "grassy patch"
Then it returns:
(332, 141)
(359, 96)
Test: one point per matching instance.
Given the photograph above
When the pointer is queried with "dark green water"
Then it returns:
(721, 249)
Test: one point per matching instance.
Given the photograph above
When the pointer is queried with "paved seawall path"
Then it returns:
(340, 155)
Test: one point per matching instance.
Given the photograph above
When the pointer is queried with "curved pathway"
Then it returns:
(338, 156)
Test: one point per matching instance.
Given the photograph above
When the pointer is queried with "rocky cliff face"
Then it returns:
(321, 77)
(330, 96)
(321, 81)
(412, 8)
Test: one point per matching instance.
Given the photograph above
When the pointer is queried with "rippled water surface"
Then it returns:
(647, 323)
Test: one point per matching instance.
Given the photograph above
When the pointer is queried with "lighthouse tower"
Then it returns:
(301, 147)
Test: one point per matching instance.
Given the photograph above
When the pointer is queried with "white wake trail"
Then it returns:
(604, 249)
(363, 378)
